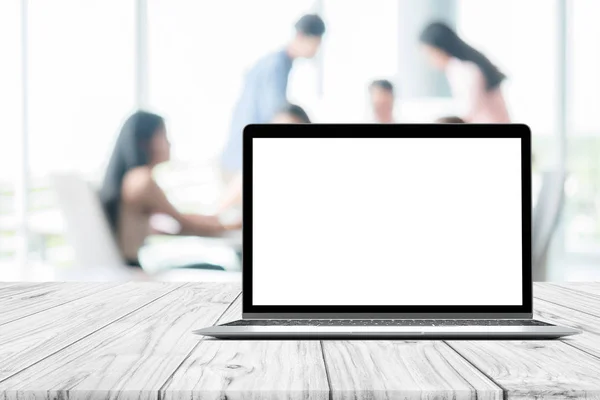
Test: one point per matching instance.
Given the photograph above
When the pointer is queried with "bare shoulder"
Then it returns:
(138, 183)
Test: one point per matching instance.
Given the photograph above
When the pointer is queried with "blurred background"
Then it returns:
(73, 70)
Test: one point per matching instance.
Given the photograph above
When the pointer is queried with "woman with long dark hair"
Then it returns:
(475, 81)
(129, 194)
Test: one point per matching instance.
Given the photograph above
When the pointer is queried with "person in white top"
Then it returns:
(474, 80)
(382, 99)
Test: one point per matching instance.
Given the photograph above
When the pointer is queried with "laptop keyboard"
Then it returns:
(387, 322)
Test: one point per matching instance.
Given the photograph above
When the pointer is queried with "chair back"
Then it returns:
(546, 215)
(87, 228)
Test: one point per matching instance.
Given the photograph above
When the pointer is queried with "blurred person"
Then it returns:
(450, 120)
(130, 195)
(289, 114)
(475, 82)
(382, 101)
(265, 88)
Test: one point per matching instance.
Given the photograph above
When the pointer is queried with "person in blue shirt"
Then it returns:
(289, 114)
(265, 88)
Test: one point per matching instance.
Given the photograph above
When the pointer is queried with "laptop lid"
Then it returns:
(387, 221)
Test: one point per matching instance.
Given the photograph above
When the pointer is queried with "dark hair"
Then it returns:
(441, 36)
(310, 25)
(131, 150)
(450, 120)
(295, 111)
(382, 84)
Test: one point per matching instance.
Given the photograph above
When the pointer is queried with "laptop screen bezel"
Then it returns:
(256, 131)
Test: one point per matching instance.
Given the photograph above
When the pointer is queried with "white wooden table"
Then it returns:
(132, 341)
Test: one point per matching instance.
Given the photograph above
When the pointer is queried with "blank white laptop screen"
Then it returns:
(393, 221)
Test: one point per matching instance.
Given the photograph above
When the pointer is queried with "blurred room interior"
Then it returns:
(72, 71)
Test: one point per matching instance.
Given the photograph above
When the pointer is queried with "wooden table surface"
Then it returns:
(131, 341)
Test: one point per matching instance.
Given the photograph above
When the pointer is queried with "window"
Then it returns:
(584, 76)
(81, 86)
(81, 79)
(582, 215)
(10, 104)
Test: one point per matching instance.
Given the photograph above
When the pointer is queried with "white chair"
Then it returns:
(546, 215)
(97, 255)
(86, 225)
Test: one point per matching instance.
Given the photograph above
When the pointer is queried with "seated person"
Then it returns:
(130, 195)
(290, 114)
(450, 120)
(382, 101)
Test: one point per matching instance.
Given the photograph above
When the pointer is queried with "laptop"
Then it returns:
(387, 231)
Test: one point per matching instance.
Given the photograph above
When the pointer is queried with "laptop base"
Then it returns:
(386, 332)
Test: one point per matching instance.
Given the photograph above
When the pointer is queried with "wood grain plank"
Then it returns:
(403, 370)
(131, 358)
(249, 369)
(19, 288)
(588, 287)
(567, 297)
(233, 312)
(5, 287)
(29, 340)
(23, 304)
(544, 369)
(535, 369)
(588, 340)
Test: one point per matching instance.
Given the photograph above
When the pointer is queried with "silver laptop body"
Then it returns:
(288, 291)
